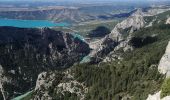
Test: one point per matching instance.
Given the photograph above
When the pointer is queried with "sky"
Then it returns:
(86, 0)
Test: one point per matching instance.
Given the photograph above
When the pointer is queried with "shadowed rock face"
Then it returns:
(25, 53)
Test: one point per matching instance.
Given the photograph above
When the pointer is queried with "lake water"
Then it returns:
(30, 23)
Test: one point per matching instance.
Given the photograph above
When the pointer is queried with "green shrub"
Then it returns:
(165, 89)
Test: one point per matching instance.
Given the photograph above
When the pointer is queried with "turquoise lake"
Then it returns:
(30, 23)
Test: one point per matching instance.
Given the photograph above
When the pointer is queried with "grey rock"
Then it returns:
(164, 65)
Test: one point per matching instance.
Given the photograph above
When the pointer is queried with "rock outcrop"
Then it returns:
(45, 83)
(163, 68)
(57, 85)
(115, 39)
(164, 65)
(25, 53)
(120, 36)
(156, 96)
(129, 25)
(168, 21)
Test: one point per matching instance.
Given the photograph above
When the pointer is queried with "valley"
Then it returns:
(84, 51)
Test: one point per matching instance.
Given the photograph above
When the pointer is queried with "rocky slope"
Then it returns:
(57, 85)
(157, 97)
(164, 65)
(25, 53)
(168, 21)
(116, 37)
(121, 34)
(132, 77)
(123, 75)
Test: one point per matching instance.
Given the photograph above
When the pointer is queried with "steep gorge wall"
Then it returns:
(25, 53)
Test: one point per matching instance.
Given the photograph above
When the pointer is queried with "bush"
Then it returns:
(100, 31)
(165, 89)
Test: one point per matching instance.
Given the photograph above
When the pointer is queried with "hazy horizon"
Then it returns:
(88, 0)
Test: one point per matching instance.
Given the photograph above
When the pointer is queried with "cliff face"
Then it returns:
(163, 68)
(164, 65)
(168, 21)
(115, 39)
(157, 97)
(25, 53)
(129, 25)
(121, 34)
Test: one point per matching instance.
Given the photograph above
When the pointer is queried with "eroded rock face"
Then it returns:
(115, 39)
(156, 96)
(25, 53)
(121, 35)
(45, 83)
(57, 85)
(163, 68)
(168, 21)
(164, 65)
(129, 25)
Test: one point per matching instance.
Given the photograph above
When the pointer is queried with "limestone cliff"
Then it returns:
(168, 21)
(115, 39)
(164, 65)
(163, 68)
(57, 85)
(156, 96)
(103, 50)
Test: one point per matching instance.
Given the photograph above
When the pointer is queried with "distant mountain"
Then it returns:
(67, 14)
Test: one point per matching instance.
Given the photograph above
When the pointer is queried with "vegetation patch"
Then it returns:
(165, 89)
(135, 76)
(100, 31)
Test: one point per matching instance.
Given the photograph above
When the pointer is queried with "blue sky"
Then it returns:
(90, 0)
(86, 0)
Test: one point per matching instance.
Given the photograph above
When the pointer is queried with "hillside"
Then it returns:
(128, 74)
(129, 63)
(25, 53)
(68, 14)
(134, 77)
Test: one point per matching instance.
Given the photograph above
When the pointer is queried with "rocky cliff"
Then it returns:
(25, 53)
(168, 21)
(116, 39)
(121, 35)
(156, 96)
(164, 65)
(58, 85)
(163, 68)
